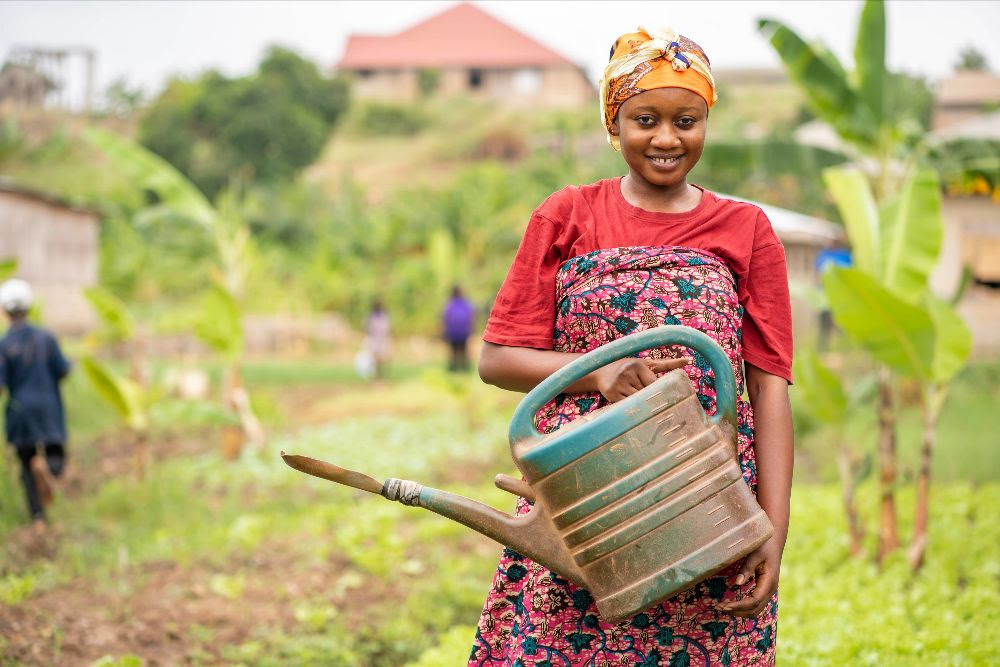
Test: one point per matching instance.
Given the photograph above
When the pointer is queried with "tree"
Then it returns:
(971, 58)
(264, 127)
(893, 220)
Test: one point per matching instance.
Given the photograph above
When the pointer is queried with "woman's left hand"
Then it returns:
(765, 563)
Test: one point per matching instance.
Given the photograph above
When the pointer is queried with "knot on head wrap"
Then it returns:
(639, 62)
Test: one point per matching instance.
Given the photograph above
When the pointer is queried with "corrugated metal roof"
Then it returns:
(793, 227)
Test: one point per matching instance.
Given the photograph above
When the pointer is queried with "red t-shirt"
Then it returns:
(579, 219)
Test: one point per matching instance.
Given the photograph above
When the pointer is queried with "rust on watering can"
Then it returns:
(635, 501)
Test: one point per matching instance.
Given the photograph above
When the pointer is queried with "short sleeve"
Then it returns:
(58, 364)
(767, 322)
(524, 312)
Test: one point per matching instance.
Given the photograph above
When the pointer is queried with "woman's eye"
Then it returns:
(685, 122)
(646, 121)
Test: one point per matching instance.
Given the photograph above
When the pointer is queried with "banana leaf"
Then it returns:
(857, 207)
(869, 58)
(120, 393)
(827, 88)
(153, 173)
(911, 230)
(897, 333)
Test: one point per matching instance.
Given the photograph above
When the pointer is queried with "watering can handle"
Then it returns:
(522, 426)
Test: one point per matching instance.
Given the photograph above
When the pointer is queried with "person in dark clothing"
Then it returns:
(457, 321)
(31, 367)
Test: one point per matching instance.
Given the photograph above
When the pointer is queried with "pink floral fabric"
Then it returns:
(533, 617)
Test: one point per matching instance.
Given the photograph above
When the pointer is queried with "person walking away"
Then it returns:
(623, 255)
(31, 367)
(378, 342)
(457, 322)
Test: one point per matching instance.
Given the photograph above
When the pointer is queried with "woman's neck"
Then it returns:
(678, 198)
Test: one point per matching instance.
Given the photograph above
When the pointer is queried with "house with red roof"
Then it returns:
(464, 51)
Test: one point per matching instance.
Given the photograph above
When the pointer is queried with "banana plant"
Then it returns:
(117, 329)
(130, 401)
(234, 251)
(893, 221)
(824, 398)
(884, 304)
(220, 326)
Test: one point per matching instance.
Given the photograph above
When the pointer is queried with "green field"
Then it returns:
(209, 562)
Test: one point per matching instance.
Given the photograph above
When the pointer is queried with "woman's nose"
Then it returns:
(665, 137)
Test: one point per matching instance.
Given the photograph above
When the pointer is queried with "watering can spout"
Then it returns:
(532, 534)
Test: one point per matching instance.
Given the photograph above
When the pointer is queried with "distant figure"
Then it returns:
(835, 255)
(457, 321)
(378, 344)
(31, 366)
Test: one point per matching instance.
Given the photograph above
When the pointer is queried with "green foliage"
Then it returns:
(127, 660)
(124, 395)
(894, 331)
(828, 90)
(220, 325)
(265, 127)
(877, 111)
(7, 268)
(150, 172)
(428, 79)
(380, 119)
(819, 387)
(116, 320)
(971, 58)
(911, 233)
(770, 170)
(859, 212)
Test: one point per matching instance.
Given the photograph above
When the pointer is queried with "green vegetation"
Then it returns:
(264, 127)
(360, 581)
(270, 194)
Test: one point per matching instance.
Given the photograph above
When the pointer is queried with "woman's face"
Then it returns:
(662, 135)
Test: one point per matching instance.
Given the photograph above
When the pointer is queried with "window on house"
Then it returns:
(475, 78)
(365, 73)
(528, 80)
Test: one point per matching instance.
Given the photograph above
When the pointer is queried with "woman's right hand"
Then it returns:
(624, 377)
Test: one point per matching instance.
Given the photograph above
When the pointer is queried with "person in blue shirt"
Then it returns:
(31, 367)
(457, 321)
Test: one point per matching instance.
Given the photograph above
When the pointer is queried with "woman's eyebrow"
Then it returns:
(657, 110)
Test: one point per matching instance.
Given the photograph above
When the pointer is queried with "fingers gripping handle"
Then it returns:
(522, 425)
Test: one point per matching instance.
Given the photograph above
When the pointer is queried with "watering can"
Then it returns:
(635, 501)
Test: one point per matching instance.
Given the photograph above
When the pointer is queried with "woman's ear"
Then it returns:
(614, 129)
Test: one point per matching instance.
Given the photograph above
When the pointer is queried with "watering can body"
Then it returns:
(635, 501)
(646, 494)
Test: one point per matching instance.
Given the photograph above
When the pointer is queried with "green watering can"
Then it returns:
(635, 501)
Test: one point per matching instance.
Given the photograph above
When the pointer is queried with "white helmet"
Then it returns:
(16, 296)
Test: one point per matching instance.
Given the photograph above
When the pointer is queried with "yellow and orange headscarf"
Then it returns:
(650, 59)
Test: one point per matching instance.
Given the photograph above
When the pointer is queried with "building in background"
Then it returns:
(464, 51)
(56, 248)
(964, 96)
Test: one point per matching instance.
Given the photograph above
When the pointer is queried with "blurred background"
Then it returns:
(244, 221)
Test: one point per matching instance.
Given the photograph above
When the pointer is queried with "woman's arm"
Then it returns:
(522, 368)
(773, 445)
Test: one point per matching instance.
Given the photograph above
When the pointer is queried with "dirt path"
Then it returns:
(170, 614)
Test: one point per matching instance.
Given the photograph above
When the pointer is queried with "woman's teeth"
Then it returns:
(665, 160)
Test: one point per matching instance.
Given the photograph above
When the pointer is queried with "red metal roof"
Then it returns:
(461, 36)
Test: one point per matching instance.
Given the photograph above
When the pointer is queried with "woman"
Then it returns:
(622, 255)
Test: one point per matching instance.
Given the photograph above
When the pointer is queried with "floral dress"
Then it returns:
(533, 616)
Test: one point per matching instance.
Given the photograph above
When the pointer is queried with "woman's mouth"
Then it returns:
(665, 160)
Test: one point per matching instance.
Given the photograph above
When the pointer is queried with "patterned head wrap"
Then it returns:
(650, 59)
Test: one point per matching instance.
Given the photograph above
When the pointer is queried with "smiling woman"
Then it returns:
(623, 255)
